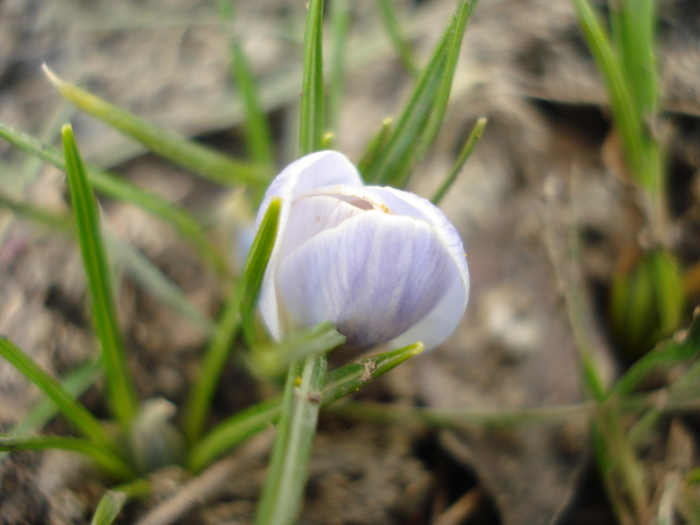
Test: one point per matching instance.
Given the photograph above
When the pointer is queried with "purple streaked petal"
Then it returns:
(375, 275)
(323, 168)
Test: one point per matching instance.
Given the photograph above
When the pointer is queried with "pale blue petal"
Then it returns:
(375, 275)
(323, 168)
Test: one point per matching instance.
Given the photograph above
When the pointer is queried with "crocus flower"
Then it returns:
(380, 263)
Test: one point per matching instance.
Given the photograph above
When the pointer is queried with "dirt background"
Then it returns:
(547, 165)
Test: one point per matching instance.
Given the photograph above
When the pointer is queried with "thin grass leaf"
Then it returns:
(69, 407)
(256, 265)
(232, 432)
(273, 359)
(257, 127)
(338, 383)
(122, 393)
(633, 33)
(464, 155)
(113, 501)
(398, 155)
(679, 348)
(312, 98)
(200, 159)
(117, 188)
(340, 21)
(442, 97)
(626, 116)
(158, 284)
(286, 476)
(199, 401)
(107, 460)
(75, 383)
(401, 44)
(622, 473)
(54, 220)
(350, 378)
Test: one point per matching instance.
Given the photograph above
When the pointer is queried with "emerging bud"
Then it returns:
(380, 263)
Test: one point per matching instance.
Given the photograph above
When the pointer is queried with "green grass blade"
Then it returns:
(312, 98)
(398, 155)
(338, 383)
(200, 159)
(113, 501)
(114, 187)
(69, 407)
(286, 477)
(199, 401)
(464, 155)
(274, 359)
(256, 265)
(109, 507)
(257, 127)
(626, 116)
(401, 44)
(75, 384)
(350, 378)
(340, 20)
(675, 350)
(232, 432)
(122, 393)
(106, 459)
(442, 97)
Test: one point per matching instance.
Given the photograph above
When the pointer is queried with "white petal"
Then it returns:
(310, 215)
(374, 276)
(323, 168)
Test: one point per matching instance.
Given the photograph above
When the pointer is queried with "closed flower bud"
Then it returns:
(380, 263)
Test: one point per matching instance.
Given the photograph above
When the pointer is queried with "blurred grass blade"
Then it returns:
(633, 32)
(285, 480)
(157, 283)
(54, 220)
(627, 118)
(113, 501)
(257, 128)
(74, 383)
(199, 401)
(110, 462)
(256, 265)
(117, 188)
(312, 98)
(340, 20)
(232, 432)
(66, 403)
(200, 159)
(464, 155)
(679, 348)
(122, 393)
(109, 507)
(273, 359)
(338, 383)
(401, 44)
